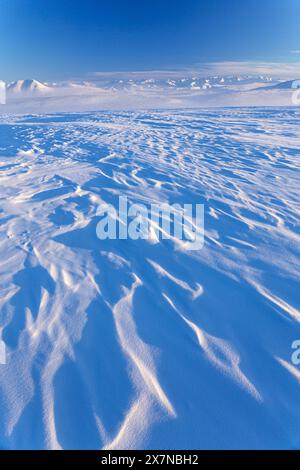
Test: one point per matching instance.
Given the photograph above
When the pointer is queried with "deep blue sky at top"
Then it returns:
(52, 39)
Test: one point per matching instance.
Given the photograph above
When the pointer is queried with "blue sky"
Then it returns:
(55, 39)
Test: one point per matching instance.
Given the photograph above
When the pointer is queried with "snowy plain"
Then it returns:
(127, 344)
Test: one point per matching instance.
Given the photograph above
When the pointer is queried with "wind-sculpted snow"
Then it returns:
(130, 344)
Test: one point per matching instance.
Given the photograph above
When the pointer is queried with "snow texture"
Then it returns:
(123, 344)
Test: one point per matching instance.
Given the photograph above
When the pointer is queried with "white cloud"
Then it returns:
(279, 70)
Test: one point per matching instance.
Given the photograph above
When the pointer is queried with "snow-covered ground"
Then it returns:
(129, 344)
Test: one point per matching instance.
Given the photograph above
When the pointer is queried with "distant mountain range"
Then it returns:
(134, 91)
(183, 83)
(281, 86)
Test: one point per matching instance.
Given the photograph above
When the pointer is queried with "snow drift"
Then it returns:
(128, 344)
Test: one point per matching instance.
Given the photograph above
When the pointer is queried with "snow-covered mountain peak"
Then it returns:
(27, 86)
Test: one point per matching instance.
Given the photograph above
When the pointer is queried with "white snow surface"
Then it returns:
(134, 345)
